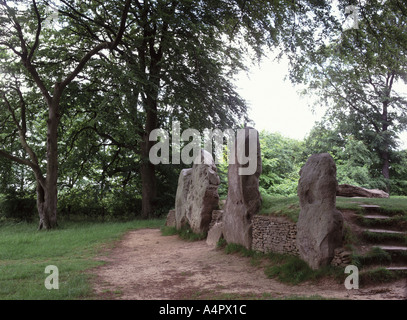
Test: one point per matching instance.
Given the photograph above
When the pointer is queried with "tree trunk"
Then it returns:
(385, 153)
(148, 179)
(386, 165)
(45, 204)
(47, 192)
(149, 192)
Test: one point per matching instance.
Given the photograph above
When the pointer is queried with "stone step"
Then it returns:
(376, 216)
(397, 268)
(369, 207)
(384, 231)
(392, 248)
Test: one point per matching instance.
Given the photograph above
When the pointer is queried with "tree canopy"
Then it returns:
(84, 83)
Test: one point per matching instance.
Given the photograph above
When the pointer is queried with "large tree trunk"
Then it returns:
(46, 202)
(148, 179)
(47, 191)
(149, 191)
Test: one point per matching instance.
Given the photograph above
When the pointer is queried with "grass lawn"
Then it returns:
(289, 206)
(25, 252)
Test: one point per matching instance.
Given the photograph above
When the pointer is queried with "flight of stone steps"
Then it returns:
(388, 232)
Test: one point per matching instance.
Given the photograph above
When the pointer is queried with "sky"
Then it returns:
(276, 105)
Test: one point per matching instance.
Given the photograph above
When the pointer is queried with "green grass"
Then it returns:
(380, 275)
(374, 256)
(375, 237)
(289, 207)
(285, 268)
(293, 270)
(25, 252)
(396, 222)
(392, 205)
(184, 233)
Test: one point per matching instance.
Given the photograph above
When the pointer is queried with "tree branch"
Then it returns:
(37, 35)
(101, 46)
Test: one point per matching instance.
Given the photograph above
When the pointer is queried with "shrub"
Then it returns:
(18, 206)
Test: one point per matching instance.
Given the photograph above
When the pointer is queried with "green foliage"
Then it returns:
(18, 206)
(357, 164)
(282, 159)
(89, 204)
(354, 73)
(356, 161)
(398, 173)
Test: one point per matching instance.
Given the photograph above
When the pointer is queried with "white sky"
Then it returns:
(276, 106)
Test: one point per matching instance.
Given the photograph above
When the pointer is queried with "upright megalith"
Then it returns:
(320, 224)
(244, 199)
(197, 194)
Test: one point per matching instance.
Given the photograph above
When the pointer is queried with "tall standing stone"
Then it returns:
(197, 194)
(244, 199)
(320, 224)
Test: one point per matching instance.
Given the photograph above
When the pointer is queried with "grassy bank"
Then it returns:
(289, 207)
(25, 252)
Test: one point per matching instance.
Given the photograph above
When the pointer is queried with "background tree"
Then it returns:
(17, 25)
(355, 75)
(282, 159)
(177, 63)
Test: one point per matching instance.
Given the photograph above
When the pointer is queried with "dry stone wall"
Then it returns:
(270, 234)
(274, 234)
(278, 234)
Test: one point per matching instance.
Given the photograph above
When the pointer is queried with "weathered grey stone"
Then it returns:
(215, 233)
(320, 224)
(216, 217)
(181, 198)
(244, 199)
(341, 257)
(170, 222)
(346, 190)
(197, 194)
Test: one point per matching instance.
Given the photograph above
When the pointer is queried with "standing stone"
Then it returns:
(215, 233)
(347, 190)
(320, 224)
(181, 198)
(170, 222)
(197, 194)
(244, 199)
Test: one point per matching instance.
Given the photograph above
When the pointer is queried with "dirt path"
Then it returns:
(148, 266)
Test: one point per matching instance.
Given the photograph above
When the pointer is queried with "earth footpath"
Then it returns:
(145, 265)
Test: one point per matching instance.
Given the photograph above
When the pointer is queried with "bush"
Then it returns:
(19, 206)
(88, 204)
